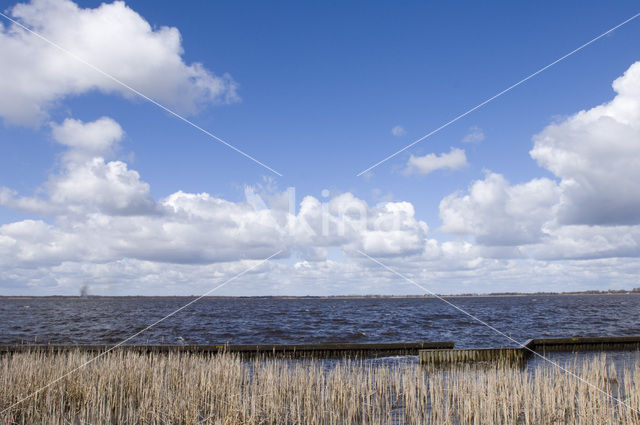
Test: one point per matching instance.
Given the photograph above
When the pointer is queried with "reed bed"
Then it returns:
(179, 388)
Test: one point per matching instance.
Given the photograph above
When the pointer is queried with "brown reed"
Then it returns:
(179, 388)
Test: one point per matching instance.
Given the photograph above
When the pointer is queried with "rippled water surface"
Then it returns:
(109, 320)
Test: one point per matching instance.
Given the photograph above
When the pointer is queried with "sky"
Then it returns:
(109, 179)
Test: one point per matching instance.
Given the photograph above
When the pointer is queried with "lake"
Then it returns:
(109, 320)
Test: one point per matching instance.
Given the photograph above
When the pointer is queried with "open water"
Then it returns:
(109, 320)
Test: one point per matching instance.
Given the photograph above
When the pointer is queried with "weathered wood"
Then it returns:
(429, 352)
(538, 345)
(586, 343)
(438, 356)
(327, 350)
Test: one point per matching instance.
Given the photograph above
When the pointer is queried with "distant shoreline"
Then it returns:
(635, 291)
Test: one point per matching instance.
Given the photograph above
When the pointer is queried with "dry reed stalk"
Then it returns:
(129, 388)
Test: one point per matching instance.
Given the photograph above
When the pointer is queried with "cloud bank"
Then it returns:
(94, 217)
(103, 212)
(590, 210)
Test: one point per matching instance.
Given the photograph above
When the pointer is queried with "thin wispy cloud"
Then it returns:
(474, 135)
(398, 131)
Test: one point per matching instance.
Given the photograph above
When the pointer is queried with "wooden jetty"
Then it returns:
(521, 354)
(326, 350)
(542, 345)
(428, 352)
(437, 356)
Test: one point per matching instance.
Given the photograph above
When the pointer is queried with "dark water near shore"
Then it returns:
(109, 320)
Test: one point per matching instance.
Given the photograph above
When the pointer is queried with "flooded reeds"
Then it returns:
(179, 388)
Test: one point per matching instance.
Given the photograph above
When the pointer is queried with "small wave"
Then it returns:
(274, 332)
(357, 335)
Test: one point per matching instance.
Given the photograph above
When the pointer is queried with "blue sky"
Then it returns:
(319, 89)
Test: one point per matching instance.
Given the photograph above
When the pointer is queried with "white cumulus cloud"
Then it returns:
(590, 211)
(454, 160)
(112, 37)
(102, 211)
(497, 213)
(596, 155)
(87, 182)
(87, 140)
(578, 229)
